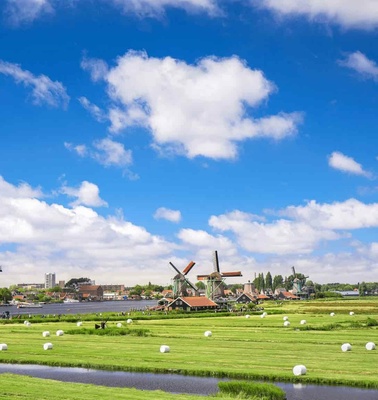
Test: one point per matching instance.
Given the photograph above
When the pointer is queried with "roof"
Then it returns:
(263, 296)
(290, 295)
(196, 301)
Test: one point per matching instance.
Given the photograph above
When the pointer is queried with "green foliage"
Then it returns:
(75, 281)
(109, 332)
(324, 295)
(277, 282)
(268, 280)
(245, 390)
(5, 295)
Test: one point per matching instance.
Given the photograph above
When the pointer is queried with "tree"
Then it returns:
(277, 282)
(5, 295)
(362, 289)
(200, 285)
(268, 280)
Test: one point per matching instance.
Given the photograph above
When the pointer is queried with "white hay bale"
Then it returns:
(346, 347)
(303, 322)
(47, 346)
(3, 346)
(129, 321)
(265, 313)
(248, 316)
(164, 349)
(332, 314)
(79, 323)
(119, 325)
(285, 318)
(351, 313)
(208, 333)
(370, 346)
(286, 323)
(59, 332)
(45, 333)
(26, 322)
(299, 370)
(262, 316)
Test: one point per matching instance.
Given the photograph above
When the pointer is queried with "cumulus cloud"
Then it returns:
(168, 214)
(347, 13)
(347, 164)
(37, 237)
(193, 110)
(87, 194)
(44, 90)
(361, 64)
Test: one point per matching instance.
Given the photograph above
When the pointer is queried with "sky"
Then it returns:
(134, 133)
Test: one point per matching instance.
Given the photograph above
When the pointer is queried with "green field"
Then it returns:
(240, 347)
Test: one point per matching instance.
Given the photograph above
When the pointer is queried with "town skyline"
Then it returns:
(135, 134)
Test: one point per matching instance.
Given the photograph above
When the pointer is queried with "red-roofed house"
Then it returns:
(287, 296)
(192, 303)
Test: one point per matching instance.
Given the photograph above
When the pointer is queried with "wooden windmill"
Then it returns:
(181, 282)
(298, 282)
(215, 280)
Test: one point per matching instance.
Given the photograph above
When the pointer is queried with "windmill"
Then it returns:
(181, 282)
(215, 280)
(298, 282)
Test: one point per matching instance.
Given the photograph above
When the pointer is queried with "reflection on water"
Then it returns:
(180, 384)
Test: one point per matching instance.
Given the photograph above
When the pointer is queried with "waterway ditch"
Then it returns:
(178, 383)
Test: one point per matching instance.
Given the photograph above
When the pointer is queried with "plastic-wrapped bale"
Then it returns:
(59, 332)
(265, 313)
(45, 333)
(164, 349)
(303, 322)
(370, 346)
(79, 323)
(208, 333)
(28, 324)
(286, 323)
(47, 346)
(332, 314)
(299, 370)
(119, 325)
(248, 316)
(129, 321)
(351, 313)
(3, 346)
(285, 318)
(346, 347)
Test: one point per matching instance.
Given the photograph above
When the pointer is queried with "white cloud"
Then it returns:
(156, 8)
(344, 163)
(193, 110)
(279, 237)
(347, 13)
(88, 194)
(44, 90)
(106, 152)
(168, 214)
(94, 110)
(26, 11)
(350, 214)
(361, 64)
(74, 241)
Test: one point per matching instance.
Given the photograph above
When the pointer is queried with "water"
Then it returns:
(82, 308)
(179, 383)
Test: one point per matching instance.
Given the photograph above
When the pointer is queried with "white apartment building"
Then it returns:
(50, 280)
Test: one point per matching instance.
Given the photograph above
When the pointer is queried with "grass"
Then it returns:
(239, 348)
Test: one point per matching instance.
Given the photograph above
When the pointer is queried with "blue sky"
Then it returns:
(138, 132)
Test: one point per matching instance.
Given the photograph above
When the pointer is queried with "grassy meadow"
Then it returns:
(240, 347)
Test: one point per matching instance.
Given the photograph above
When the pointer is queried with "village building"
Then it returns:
(91, 292)
(192, 303)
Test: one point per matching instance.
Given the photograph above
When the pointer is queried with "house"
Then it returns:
(91, 292)
(287, 296)
(192, 303)
(246, 298)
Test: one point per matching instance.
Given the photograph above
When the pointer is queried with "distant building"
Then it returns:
(50, 280)
(113, 288)
(91, 292)
(61, 284)
(31, 285)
